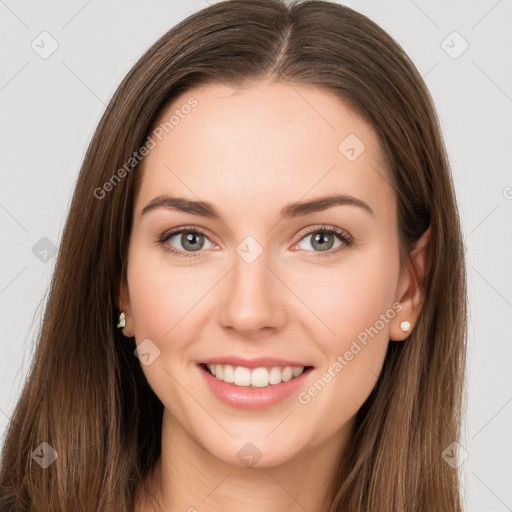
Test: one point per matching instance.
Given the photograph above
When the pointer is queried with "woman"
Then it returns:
(259, 300)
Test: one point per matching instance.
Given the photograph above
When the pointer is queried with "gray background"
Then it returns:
(50, 107)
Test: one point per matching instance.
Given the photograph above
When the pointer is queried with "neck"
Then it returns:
(188, 478)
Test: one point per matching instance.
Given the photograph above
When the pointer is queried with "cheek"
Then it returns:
(166, 308)
(355, 303)
(350, 297)
(357, 307)
(163, 297)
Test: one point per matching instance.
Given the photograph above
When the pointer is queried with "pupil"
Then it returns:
(321, 239)
(189, 240)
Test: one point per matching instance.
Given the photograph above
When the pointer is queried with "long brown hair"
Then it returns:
(86, 395)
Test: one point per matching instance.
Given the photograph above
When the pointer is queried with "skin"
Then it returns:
(250, 152)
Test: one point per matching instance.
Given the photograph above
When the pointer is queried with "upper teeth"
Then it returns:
(258, 377)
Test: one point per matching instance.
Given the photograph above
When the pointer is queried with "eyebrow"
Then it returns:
(291, 210)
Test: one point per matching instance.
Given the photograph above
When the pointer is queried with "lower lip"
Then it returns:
(253, 398)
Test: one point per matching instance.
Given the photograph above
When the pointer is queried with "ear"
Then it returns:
(410, 292)
(124, 305)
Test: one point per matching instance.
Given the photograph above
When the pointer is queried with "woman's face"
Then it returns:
(253, 274)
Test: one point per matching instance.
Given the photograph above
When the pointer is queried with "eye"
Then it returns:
(323, 240)
(190, 240)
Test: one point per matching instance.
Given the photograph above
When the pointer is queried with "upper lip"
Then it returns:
(258, 362)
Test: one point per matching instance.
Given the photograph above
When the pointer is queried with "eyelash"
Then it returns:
(342, 235)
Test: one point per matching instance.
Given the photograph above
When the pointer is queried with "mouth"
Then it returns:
(254, 378)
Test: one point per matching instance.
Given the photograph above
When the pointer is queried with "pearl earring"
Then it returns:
(122, 320)
(405, 326)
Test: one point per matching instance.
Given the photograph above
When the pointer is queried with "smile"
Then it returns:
(253, 388)
(254, 377)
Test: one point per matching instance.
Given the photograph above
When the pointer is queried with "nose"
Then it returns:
(254, 298)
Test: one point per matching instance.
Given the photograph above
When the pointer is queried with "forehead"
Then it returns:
(227, 145)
